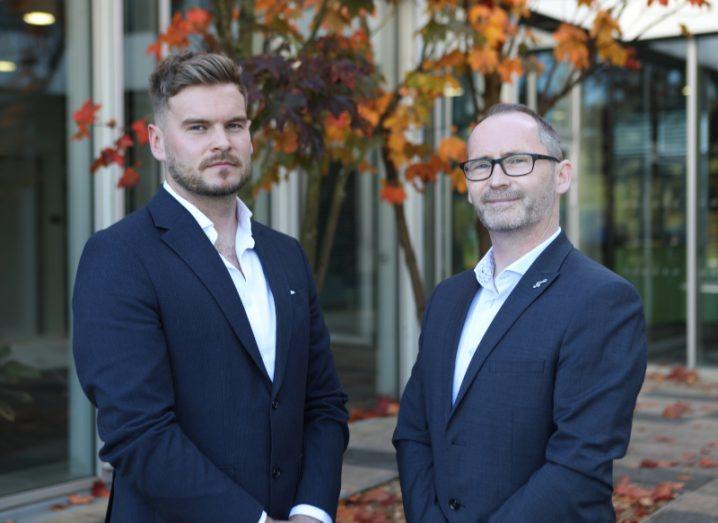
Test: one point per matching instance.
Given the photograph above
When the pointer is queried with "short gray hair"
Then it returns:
(187, 69)
(547, 134)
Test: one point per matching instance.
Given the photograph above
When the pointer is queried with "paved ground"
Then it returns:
(681, 449)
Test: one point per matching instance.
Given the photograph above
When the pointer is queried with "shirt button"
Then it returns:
(276, 472)
(275, 403)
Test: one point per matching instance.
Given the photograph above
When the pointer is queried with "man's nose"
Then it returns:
(220, 140)
(498, 177)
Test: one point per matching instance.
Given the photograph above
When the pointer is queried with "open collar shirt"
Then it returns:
(488, 300)
(257, 300)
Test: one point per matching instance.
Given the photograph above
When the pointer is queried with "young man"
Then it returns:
(198, 333)
(529, 365)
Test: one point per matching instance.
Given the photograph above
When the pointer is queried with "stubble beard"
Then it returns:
(190, 179)
(525, 212)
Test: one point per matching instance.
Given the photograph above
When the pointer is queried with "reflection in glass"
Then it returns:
(708, 204)
(35, 382)
(632, 191)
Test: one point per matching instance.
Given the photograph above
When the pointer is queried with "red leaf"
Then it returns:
(651, 464)
(666, 491)
(84, 117)
(666, 439)
(100, 490)
(707, 462)
(676, 410)
(123, 142)
(130, 178)
(139, 127)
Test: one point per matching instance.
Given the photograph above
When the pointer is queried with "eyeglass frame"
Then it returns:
(500, 161)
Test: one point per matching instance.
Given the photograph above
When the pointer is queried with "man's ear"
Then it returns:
(157, 142)
(564, 176)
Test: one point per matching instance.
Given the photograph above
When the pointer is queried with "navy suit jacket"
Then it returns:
(193, 426)
(546, 404)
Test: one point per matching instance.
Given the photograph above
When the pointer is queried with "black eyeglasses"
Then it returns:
(518, 164)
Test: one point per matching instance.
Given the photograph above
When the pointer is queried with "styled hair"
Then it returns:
(547, 134)
(190, 68)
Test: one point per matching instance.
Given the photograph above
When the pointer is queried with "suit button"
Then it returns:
(275, 403)
(276, 472)
(454, 504)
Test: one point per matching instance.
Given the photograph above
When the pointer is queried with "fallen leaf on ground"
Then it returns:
(660, 464)
(707, 462)
(676, 410)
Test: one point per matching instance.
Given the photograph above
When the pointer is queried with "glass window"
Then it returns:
(43, 440)
(632, 190)
(708, 202)
(140, 30)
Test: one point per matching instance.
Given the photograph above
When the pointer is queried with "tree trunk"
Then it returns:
(417, 283)
(325, 249)
(308, 236)
(246, 28)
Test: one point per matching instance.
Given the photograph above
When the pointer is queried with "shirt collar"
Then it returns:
(484, 270)
(244, 239)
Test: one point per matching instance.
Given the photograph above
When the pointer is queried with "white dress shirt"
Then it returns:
(257, 300)
(487, 302)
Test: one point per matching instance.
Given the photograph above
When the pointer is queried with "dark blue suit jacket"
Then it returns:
(190, 420)
(544, 408)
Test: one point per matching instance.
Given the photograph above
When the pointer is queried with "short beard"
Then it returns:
(524, 213)
(192, 182)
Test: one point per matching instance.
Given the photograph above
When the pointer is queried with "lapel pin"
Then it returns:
(292, 292)
(539, 283)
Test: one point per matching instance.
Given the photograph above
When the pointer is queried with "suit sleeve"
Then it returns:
(326, 433)
(123, 366)
(600, 370)
(412, 441)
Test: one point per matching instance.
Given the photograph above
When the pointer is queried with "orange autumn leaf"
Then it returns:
(393, 194)
(199, 19)
(458, 180)
(571, 45)
(130, 178)
(336, 128)
(366, 167)
(483, 59)
(424, 171)
(289, 141)
(452, 149)
(510, 67)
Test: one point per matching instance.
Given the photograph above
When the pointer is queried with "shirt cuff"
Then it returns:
(311, 511)
(263, 517)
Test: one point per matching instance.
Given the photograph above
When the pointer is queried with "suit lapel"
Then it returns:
(281, 292)
(535, 282)
(185, 237)
(455, 325)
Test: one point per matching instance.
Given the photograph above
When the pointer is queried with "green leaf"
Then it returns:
(6, 412)
(16, 370)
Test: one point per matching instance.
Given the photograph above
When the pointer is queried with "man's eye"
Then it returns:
(196, 127)
(481, 166)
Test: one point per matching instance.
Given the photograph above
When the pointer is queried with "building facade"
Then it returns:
(645, 204)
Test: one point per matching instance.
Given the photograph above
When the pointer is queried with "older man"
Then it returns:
(198, 333)
(529, 365)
